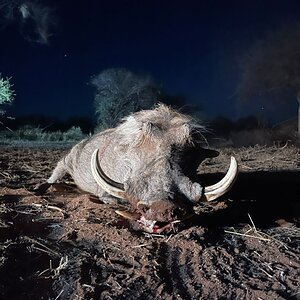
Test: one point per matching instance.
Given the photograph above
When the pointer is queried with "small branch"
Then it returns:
(247, 235)
(252, 223)
(1, 123)
(46, 249)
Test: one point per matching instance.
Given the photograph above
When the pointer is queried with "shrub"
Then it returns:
(6, 93)
(36, 134)
(119, 93)
(73, 134)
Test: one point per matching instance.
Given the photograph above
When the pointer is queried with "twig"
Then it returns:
(62, 265)
(247, 235)
(56, 271)
(1, 123)
(169, 237)
(275, 240)
(256, 264)
(59, 294)
(252, 223)
(44, 205)
(48, 250)
(140, 246)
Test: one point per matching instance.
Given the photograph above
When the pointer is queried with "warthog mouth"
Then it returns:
(146, 225)
(117, 189)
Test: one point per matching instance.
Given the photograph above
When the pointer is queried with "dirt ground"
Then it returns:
(66, 244)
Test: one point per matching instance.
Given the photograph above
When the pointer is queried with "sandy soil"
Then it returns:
(66, 244)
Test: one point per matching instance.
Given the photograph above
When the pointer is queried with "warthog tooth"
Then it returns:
(128, 215)
(110, 186)
(213, 192)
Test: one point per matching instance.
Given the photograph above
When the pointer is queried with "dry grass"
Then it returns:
(257, 158)
(277, 235)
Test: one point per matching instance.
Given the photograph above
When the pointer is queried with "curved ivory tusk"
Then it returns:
(127, 215)
(112, 187)
(213, 192)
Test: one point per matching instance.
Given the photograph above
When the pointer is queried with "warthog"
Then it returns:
(141, 161)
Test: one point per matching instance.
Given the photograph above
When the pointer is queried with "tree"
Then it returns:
(119, 93)
(6, 96)
(271, 68)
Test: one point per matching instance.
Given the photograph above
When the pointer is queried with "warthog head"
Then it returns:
(143, 162)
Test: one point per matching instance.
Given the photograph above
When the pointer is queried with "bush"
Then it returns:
(6, 93)
(30, 133)
(73, 134)
(36, 134)
(119, 93)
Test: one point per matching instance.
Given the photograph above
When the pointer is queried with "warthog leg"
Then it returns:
(59, 172)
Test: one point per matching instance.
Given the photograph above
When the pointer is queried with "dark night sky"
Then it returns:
(189, 48)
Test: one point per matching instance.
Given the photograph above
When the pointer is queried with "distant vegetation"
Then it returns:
(251, 131)
(7, 96)
(36, 134)
(271, 68)
(6, 93)
(222, 132)
(119, 93)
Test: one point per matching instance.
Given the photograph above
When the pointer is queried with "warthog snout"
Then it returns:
(160, 210)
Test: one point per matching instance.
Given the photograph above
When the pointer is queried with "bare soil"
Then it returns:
(66, 244)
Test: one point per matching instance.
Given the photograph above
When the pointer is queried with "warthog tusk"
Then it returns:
(127, 215)
(107, 184)
(213, 192)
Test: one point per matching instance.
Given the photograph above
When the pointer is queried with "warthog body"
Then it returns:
(140, 161)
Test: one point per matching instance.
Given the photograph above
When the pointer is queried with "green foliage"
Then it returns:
(6, 93)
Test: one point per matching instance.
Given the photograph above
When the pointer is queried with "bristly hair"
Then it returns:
(162, 123)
